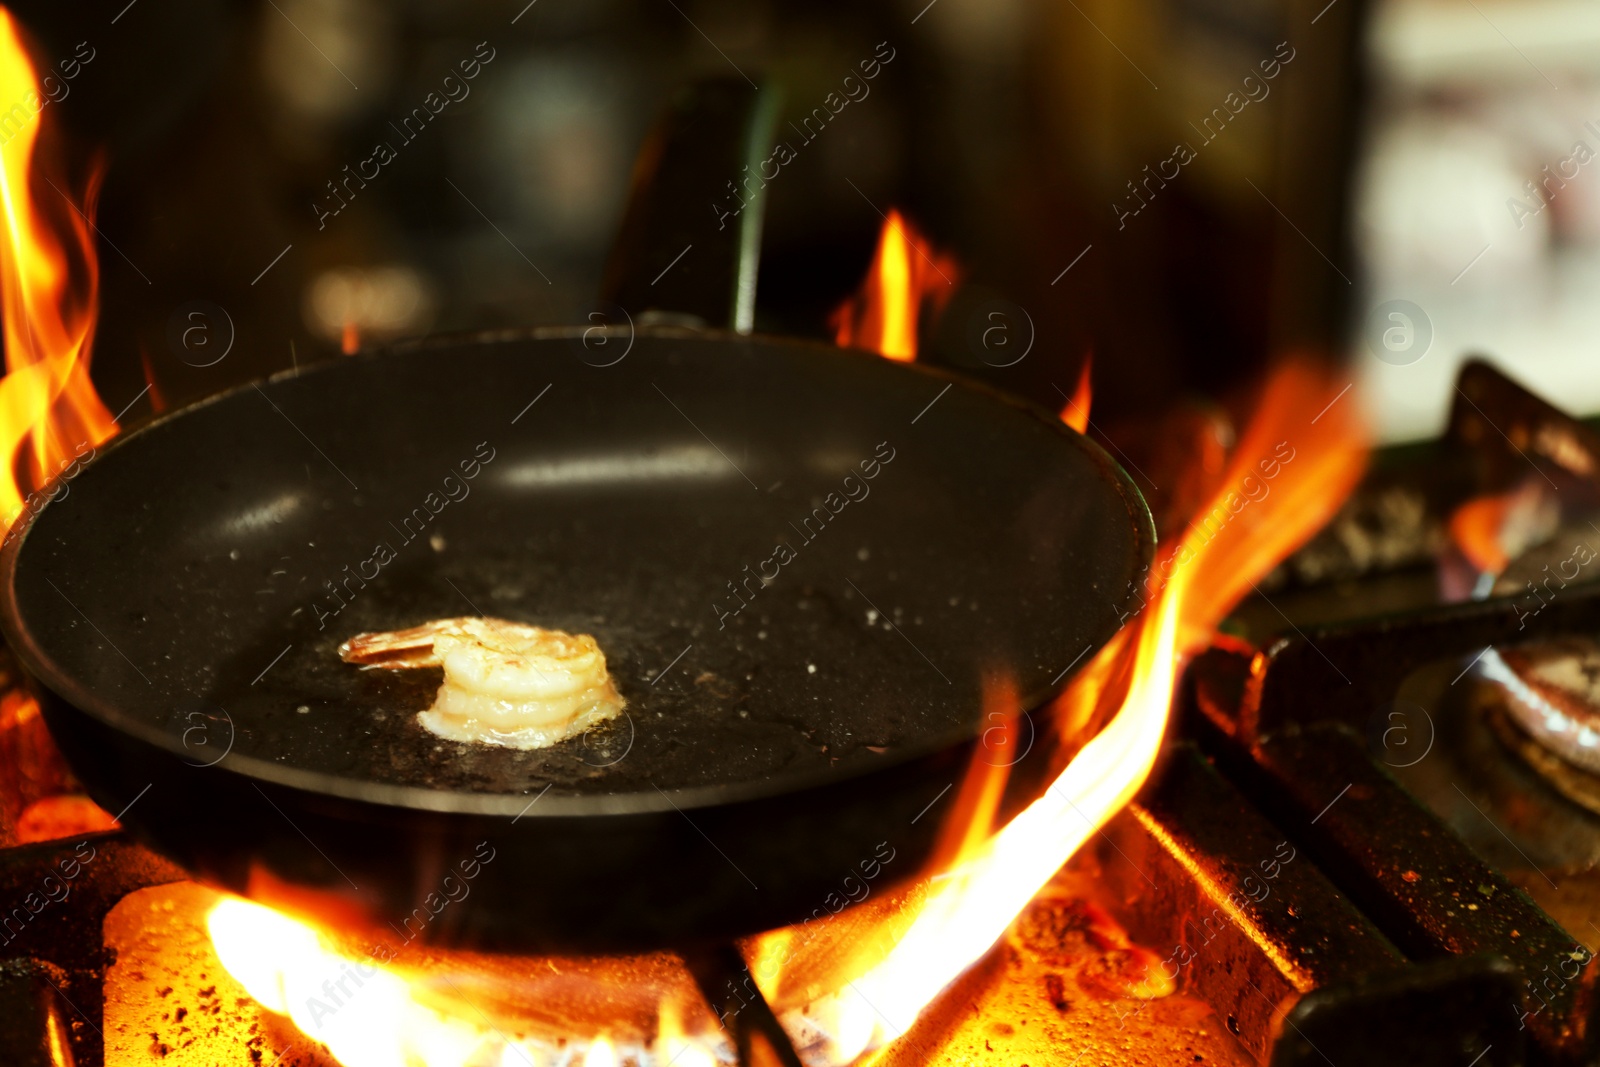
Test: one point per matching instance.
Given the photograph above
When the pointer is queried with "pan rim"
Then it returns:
(41, 669)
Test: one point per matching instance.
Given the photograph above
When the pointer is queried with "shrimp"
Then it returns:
(505, 683)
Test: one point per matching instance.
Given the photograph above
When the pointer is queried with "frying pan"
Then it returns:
(180, 607)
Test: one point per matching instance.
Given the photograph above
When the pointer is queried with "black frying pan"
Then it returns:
(173, 606)
(180, 610)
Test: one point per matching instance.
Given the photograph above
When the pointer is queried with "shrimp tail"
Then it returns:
(399, 649)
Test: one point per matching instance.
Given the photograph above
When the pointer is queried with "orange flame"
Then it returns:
(290, 979)
(48, 405)
(905, 272)
(674, 1043)
(1492, 530)
(1475, 529)
(992, 875)
(50, 414)
(1076, 412)
(371, 1015)
(1196, 584)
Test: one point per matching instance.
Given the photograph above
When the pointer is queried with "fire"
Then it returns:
(1492, 530)
(50, 414)
(676, 1046)
(882, 317)
(601, 1053)
(1076, 411)
(1192, 589)
(371, 1014)
(366, 1016)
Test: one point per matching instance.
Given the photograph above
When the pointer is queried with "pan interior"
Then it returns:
(795, 559)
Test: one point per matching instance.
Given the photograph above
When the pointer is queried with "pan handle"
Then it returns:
(690, 241)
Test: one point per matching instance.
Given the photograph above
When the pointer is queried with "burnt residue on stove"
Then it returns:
(1067, 986)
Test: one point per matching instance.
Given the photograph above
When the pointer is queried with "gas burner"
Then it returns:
(1551, 712)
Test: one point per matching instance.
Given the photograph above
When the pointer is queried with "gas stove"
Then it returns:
(1369, 840)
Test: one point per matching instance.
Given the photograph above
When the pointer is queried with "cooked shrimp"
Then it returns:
(505, 683)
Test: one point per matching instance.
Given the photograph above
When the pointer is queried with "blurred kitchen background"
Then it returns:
(1184, 187)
